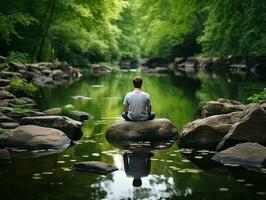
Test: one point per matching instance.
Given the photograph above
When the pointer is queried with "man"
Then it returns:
(137, 104)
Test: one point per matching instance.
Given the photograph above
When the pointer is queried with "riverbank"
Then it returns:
(193, 65)
(23, 126)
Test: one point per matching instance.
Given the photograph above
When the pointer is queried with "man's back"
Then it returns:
(137, 102)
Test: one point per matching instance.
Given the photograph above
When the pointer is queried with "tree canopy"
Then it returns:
(83, 31)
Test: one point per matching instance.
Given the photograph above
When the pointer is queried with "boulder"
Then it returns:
(6, 95)
(42, 80)
(15, 66)
(34, 138)
(158, 129)
(58, 74)
(94, 167)
(100, 69)
(158, 70)
(74, 114)
(9, 75)
(221, 106)
(4, 118)
(70, 127)
(9, 125)
(251, 128)
(206, 133)
(4, 157)
(245, 154)
(4, 82)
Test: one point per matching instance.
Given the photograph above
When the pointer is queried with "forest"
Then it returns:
(88, 31)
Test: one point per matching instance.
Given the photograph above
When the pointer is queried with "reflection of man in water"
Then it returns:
(137, 165)
(137, 104)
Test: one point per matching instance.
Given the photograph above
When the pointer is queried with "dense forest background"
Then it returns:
(84, 31)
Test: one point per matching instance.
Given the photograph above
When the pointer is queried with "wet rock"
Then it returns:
(221, 106)
(100, 69)
(206, 133)
(42, 80)
(58, 74)
(15, 66)
(9, 75)
(73, 114)
(6, 95)
(5, 157)
(94, 167)
(4, 82)
(70, 127)
(4, 118)
(244, 154)
(53, 111)
(9, 125)
(158, 129)
(251, 128)
(158, 70)
(34, 137)
(46, 72)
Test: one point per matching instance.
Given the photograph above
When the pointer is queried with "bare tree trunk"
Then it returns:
(44, 35)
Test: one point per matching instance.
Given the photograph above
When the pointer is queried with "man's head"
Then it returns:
(137, 182)
(137, 82)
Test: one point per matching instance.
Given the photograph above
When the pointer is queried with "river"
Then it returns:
(171, 175)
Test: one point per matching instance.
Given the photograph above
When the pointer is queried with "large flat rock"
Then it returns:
(34, 138)
(245, 154)
(70, 127)
(96, 167)
(158, 129)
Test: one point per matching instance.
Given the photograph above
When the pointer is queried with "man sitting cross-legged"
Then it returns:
(137, 104)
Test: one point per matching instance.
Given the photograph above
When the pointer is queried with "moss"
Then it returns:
(67, 109)
(21, 88)
(256, 98)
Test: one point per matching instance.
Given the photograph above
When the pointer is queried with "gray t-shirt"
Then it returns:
(137, 102)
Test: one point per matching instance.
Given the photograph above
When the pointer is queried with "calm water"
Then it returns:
(171, 174)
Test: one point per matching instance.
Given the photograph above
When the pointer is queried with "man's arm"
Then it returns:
(125, 108)
(149, 109)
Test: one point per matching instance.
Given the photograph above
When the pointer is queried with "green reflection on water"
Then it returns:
(175, 98)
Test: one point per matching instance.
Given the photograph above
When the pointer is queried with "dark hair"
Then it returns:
(137, 182)
(137, 82)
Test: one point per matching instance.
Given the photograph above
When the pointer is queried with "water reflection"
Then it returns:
(137, 157)
(137, 165)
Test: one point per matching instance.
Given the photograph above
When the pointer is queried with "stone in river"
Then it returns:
(158, 129)
(9, 125)
(251, 128)
(34, 138)
(69, 126)
(245, 154)
(94, 167)
(206, 133)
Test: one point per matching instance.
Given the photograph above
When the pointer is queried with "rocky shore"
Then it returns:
(193, 65)
(25, 130)
(233, 130)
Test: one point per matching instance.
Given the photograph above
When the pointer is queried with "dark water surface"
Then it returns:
(171, 174)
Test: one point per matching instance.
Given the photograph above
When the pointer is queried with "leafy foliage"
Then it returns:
(99, 30)
(256, 98)
(22, 88)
